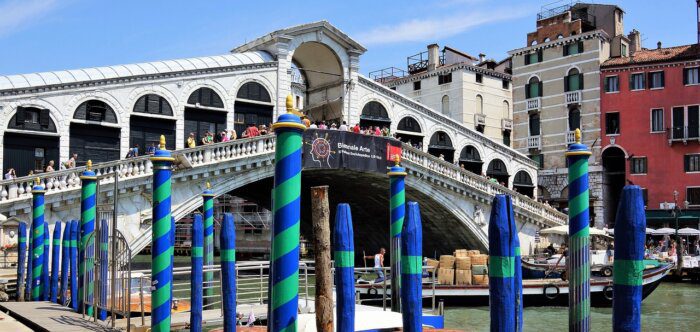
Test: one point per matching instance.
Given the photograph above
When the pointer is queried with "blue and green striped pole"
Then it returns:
(45, 279)
(208, 208)
(55, 261)
(286, 209)
(21, 258)
(104, 245)
(628, 266)
(518, 273)
(228, 272)
(344, 256)
(38, 234)
(29, 278)
(397, 182)
(86, 256)
(412, 270)
(502, 288)
(74, 237)
(162, 249)
(65, 264)
(579, 241)
(196, 302)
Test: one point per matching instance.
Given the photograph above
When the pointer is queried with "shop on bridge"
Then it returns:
(408, 131)
(522, 183)
(374, 114)
(30, 141)
(497, 170)
(205, 111)
(441, 146)
(95, 133)
(253, 107)
(152, 117)
(471, 160)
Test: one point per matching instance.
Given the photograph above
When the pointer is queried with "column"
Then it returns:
(397, 179)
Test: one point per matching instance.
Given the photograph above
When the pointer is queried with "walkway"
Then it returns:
(49, 317)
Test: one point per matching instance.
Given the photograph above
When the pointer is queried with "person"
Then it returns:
(343, 126)
(322, 125)
(263, 130)
(191, 141)
(223, 137)
(251, 131)
(133, 152)
(334, 126)
(377, 131)
(356, 128)
(442, 157)
(609, 252)
(550, 249)
(208, 138)
(49, 168)
(564, 253)
(232, 135)
(306, 121)
(10, 174)
(385, 131)
(313, 125)
(378, 264)
(71, 162)
(151, 149)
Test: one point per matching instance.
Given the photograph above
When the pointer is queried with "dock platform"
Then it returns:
(49, 317)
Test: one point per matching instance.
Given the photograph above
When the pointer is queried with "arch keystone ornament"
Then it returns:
(579, 239)
(397, 199)
(284, 265)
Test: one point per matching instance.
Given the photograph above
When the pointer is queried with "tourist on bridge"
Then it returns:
(251, 131)
(263, 130)
(313, 125)
(356, 128)
(223, 136)
(71, 162)
(378, 264)
(322, 125)
(306, 121)
(208, 138)
(151, 149)
(191, 141)
(49, 167)
(232, 135)
(334, 126)
(10, 174)
(343, 126)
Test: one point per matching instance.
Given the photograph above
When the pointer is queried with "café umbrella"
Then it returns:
(564, 230)
(688, 232)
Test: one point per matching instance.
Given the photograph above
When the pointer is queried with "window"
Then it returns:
(533, 88)
(393, 88)
(691, 76)
(416, 85)
(623, 50)
(656, 80)
(31, 116)
(445, 104)
(534, 124)
(612, 123)
(692, 195)
(691, 163)
(479, 78)
(645, 196)
(573, 81)
(444, 79)
(538, 158)
(506, 84)
(638, 165)
(574, 48)
(612, 84)
(657, 120)
(533, 57)
(637, 81)
(574, 119)
(479, 104)
(506, 137)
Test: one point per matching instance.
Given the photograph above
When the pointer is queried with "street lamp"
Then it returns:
(676, 212)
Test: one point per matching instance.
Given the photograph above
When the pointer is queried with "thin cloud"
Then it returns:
(417, 30)
(16, 14)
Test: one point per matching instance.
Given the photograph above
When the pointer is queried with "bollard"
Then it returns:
(344, 256)
(74, 236)
(412, 270)
(208, 208)
(578, 261)
(37, 240)
(227, 252)
(65, 264)
(397, 195)
(104, 245)
(628, 265)
(45, 279)
(502, 256)
(161, 247)
(21, 257)
(86, 264)
(55, 261)
(197, 251)
(284, 296)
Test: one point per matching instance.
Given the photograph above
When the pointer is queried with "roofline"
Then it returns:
(449, 69)
(600, 33)
(633, 63)
(460, 53)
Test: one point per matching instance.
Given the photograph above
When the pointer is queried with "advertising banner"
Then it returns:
(333, 149)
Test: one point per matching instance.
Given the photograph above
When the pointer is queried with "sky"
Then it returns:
(43, 35)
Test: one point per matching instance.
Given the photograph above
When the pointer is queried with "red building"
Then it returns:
(650, 122)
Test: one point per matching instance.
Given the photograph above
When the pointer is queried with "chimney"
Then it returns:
(482, 57)
(658, 45)
(433, 56)
(635, 41)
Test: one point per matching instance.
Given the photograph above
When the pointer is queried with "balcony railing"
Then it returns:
(571, 137)
(573, 97)
(387, 74)
(534, 142)
(683, 134)
(533, 103)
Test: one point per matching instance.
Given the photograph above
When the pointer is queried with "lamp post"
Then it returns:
(676, 212)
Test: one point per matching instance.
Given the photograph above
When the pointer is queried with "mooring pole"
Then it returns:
(38, 234)
(74, 236)
(55, 261)
(104, 262)
(412, 270)
(86, 264)
(518, 272)
(320, 219)
(65, 264)
(29, 278)
(45, 280)
(21, 257)
(115, 266)
(286, 205)
(628, 265)
(228, 271)
(162, 249)
(344, 243)
(578, 262)
(208, 208)
(502, 256)
(397, 197)
(197, 252)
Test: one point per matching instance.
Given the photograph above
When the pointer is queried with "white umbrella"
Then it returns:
(612, 231)
(688, 231)
(564, 230)
(664, 231)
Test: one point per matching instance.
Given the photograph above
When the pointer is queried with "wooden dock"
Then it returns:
(49, 317)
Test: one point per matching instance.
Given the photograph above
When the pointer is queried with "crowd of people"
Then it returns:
(50, 167)
(667, 247)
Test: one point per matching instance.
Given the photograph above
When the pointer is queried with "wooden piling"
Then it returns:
(320, 218)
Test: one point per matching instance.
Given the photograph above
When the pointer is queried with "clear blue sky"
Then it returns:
(41, 35)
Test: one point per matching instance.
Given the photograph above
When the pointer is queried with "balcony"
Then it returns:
(533, 104)
(506, 124)
(683, 134)
(571, 137)
(534, 142)
(572, 97)
(387, 74)
(479, 120)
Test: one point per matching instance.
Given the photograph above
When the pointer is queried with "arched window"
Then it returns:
(441, 145)
(253, 106)
(560, 36)
(479, 104)
(375, 110)
(95, 110)
(574, 118)
(205, 97)
(253, 91)
(153, 104)
(506, 110)
(470, 159)
(94, 140)
(546, 39)
(409, 124)
(145, 131)
(533, 88)
(405, 129)
(30, 142)
(534, 42)
(445, 104)
(522, 183)
(32, 118)
(573, 80)
(497, 170)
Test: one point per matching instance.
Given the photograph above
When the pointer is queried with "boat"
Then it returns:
(540, 268)
(536, 292)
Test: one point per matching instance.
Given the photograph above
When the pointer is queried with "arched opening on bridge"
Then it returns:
(374, 114)
(30, 141)
(471, 160)
(253, 107)
(204, 112)
(94, 133)
(613, 182)
(152, 117)
(497, 170)
(322, 70)
(408, 131)
(522, 183)
(441, 146)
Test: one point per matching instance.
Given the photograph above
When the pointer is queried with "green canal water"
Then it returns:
(671, 307)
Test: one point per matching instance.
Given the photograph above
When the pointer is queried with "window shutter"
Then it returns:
(527, 91)
(580, 81)
(527, 59)
(685, 76)
(580, 46)
(566, 83)
(650, 78)
(606, 84)
(19, 117)
(44, 117)
(539, 56)
(663, 83)
(539, 91)
(566, 50)
(631, 82)
(644, 83)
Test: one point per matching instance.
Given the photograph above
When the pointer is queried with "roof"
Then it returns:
(23, 81)
(466, 55)
(666, 54)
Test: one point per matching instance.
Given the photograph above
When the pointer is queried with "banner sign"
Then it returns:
(334, 149)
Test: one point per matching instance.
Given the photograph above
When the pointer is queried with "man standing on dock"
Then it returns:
(378, 264)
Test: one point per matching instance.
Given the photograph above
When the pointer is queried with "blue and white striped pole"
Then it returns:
(344, 256)
(45, 279)
(74, 239)
(503, 296)
(196, 302)
(412, 270)
(38, 234)
(65, 264)
(628, 266)
(21, 258)
(55, 261)
(104, 245)
(227, 252)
